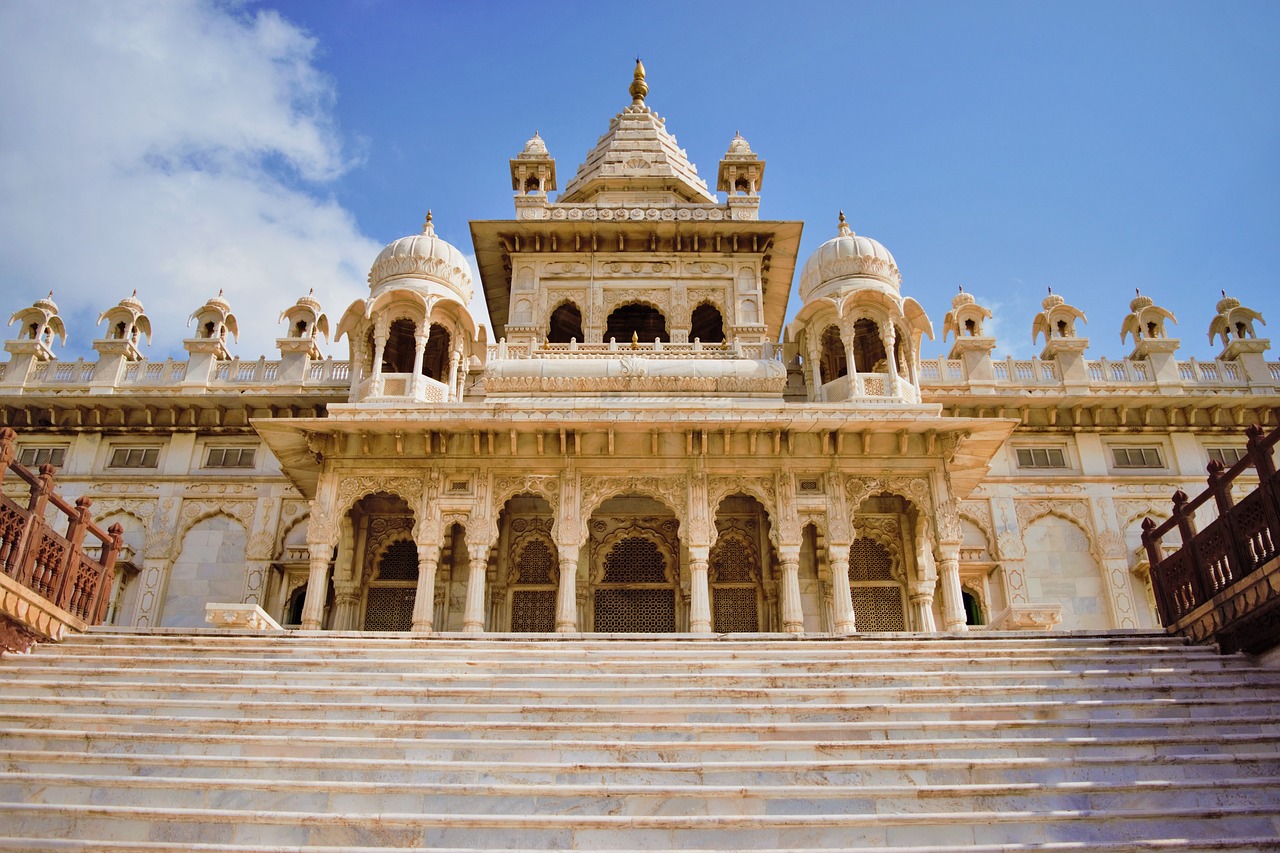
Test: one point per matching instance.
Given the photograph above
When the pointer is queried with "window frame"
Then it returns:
(114, 460)
(60, 450)
(224, 450)
(1142, 449)
(1031, 449)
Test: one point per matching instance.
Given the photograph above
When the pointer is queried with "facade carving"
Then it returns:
(642, 441)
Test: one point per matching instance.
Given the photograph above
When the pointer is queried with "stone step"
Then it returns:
(796, 707)
(976, 679)
(641, 745)
(253, 826)
(639, 720)
(486, 763)
(622, 797)
(1167, 845)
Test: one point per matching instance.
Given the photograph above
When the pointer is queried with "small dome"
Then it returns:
(131, 303)
(1052, 301)
(1226, 304)
(962, 299)
(739, 147)
(46, 304)
(309, 301)
(534, 149)
(1140, 302)
(423, 256)
(846, 255)
(218, 303)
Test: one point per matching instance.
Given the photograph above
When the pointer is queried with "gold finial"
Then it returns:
(639, 88)
(635, 340)
(427, 227)
(844, 228)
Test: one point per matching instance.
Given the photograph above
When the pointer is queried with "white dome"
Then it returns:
(847, 255)
(423, 256)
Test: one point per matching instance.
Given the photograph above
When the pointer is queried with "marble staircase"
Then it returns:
(240, 741)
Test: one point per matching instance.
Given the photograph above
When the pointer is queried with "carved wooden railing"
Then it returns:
(58, 567)
(1230, 563)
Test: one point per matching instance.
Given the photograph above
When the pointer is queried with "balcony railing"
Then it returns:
(1223, 583)
(57, 567)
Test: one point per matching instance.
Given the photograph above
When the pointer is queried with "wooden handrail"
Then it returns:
(57, 566)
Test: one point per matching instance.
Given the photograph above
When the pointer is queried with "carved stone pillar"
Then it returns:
(379, 347)
(953, 618)
(317, 585)
(454, 358)
(419, 347)
(699, 590)
(567, 592)
(841, 598)
(424, 597)
(792, 615)
(473, 615)
(890, 339)
(346, 595)
(920, 595)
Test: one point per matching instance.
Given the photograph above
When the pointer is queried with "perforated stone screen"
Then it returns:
(878, 608)
(635, 611)
(731, 562)
(536, 563)
(533, 610)
(734, 610)
(634, 560)
(399, 562)
(389, 609)
(869, 561)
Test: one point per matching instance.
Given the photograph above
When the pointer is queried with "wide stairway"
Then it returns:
(203, 741)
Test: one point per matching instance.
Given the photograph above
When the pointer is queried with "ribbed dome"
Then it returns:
(534, 149)
(423, 256)
(845, 255)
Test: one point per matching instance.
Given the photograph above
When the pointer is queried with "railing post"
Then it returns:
(1187, 530)
(102, 593)
(8, 450)
(76, 527)
(1241, 561)
(1155, 556)
(29, 546)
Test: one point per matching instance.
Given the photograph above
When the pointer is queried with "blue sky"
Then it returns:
(271, 147)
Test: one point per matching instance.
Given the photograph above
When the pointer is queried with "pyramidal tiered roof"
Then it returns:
(637, 154)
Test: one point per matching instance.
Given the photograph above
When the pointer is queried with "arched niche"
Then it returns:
(637, 319)
(565, 324)
(706, 324)
(868, 347)
(210, 568)
(435, 355)
(528, 565)
(832, 360)
(1060, 569)
(635, 568)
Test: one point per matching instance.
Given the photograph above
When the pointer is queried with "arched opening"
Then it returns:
(528, 566)
(739, 569)
(531, 184)
(566, 324)
(635, 573)
(435, 356)
(706, 324)
(741, 186)
(868, 347)
(832, 363)
(644, 322)
(1060, 569)
(389, 597)
(877, 594)
(972, 609)
(397, 355)
(293, 606)
(210, 568)
(120, 331)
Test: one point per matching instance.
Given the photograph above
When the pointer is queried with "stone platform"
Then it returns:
(243, 740)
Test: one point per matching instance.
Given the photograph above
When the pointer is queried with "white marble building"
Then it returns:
(640, 443)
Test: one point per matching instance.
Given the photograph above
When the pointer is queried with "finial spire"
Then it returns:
(427, 227)
(844, 228)
(639, 88)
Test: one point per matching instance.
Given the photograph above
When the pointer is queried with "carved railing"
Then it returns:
(58, 567)
(1223, 582)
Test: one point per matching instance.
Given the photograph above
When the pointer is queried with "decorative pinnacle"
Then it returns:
(427, 227)
(639, 88)
(844, 229)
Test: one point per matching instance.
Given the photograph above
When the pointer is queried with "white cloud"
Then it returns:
(176, 147)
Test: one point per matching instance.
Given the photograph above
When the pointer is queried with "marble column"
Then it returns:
(699, 590)
(346, 595)
(424, 598)
(953, 618)
(567, 592)
(792, 615)
(890, 346)
(473, 615)
(841, 598)
(419, 347)
(920, 595)
(317, 585)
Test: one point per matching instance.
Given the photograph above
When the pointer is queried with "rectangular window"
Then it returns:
(1137, 457)
(1041, 457)
(34, 457)
(135, 457)
(1228, 456)
(230, 457)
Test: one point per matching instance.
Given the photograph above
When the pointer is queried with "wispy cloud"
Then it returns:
(178, 148)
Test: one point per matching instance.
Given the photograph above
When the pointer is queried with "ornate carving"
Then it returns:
(760, 488)
(948, 521)
(668, 490)
(351, 489)
(194, 511)
(914, 489)
(545, 486)
(1076, 510)
(774, 382)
